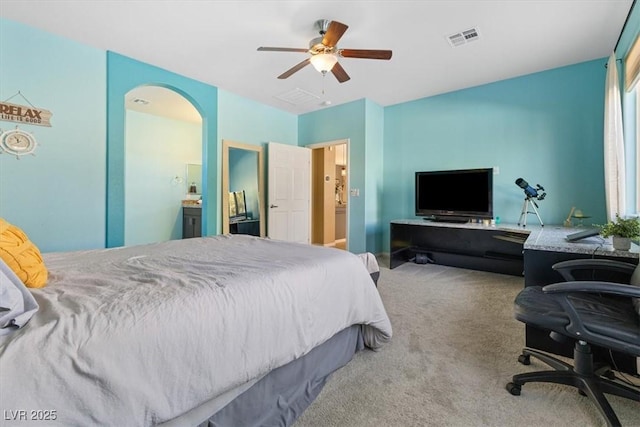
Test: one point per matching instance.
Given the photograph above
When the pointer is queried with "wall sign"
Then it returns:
(18, 142)
(24, 114)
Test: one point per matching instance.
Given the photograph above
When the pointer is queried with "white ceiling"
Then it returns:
(215, 41)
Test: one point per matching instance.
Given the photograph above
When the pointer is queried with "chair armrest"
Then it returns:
(593, 287)
(566, 268)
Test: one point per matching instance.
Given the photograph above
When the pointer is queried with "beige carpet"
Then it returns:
(454, 348)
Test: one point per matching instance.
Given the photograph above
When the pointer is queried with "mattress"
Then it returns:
(143, 335)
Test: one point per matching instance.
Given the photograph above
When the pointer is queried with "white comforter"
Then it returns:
(138, 336)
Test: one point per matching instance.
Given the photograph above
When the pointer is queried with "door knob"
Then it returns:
(273, 206)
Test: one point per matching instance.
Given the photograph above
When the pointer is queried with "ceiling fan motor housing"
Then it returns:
(322, 25)
(316, 46)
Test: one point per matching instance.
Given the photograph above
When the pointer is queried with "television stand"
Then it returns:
(498, 249)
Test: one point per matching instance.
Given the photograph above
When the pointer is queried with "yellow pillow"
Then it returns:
(22, 256)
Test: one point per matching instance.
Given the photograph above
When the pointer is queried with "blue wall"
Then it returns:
(249, 122)
(347, 121)
(546, 128)
(374, 173)
(58, 196)
(124, 74)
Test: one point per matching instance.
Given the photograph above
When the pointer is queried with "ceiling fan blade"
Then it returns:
(294, 69)
(334, 32)
(365, 53)
(340, 73)
(282, 49)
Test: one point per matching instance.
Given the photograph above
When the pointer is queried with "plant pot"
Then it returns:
(621, 243)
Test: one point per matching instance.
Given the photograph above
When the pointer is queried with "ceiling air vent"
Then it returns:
(140, 101)
(463, 37)
(297, 96)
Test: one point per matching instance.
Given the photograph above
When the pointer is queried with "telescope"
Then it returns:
(529, 191)
(532, 194)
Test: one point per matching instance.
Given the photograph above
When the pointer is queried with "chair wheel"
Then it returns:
(514, 389)
(525, 359)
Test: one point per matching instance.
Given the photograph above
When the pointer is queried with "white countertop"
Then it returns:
(553, 238)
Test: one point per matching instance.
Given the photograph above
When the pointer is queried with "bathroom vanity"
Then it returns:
(191, 221)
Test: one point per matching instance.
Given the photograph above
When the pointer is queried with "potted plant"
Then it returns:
(623, 230)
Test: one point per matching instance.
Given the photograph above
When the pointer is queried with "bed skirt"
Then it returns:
(280, 397)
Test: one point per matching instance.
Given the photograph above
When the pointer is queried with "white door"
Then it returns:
(289, 194)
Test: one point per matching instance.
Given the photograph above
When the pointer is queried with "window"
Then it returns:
(632, 89)
(637, 168)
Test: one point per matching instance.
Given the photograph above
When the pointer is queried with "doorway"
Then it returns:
(163, 144)
(329, 194)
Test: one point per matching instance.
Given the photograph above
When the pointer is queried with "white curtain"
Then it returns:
(614, 171)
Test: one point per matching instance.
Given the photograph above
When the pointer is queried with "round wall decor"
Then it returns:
(17, 142)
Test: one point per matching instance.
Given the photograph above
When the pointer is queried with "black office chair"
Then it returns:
(593, 313)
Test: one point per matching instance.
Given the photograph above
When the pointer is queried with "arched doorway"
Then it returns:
(163, 143)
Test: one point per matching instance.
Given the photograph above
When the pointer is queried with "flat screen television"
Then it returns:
(455, 195)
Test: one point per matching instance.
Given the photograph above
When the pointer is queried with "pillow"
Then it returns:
(371, 263)
(22, 256)
(17, 305)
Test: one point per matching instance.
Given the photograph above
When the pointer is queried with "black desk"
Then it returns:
(245, 226)
(475, 246)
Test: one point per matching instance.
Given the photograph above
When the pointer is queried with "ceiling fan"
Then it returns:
(324, 51)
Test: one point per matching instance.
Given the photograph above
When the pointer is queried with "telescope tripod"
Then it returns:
(525, 211)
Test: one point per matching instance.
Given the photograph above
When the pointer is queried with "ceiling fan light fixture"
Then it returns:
(324, 52)
(323, 62)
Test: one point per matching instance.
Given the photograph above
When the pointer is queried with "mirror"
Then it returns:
(243, 173)
(194, 179)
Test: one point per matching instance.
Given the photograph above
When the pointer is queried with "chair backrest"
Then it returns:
(635, 277)
(635, 281)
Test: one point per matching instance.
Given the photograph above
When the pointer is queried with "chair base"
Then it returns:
(582, 375)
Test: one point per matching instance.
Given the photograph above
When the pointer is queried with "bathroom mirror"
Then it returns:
(243, 171)
(194, 179)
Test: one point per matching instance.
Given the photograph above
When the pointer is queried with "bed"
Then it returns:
(223, 331)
